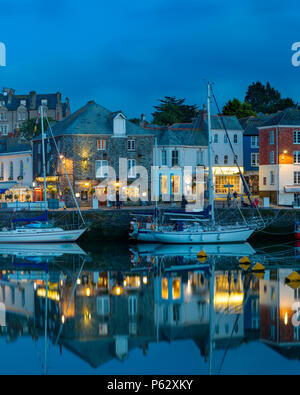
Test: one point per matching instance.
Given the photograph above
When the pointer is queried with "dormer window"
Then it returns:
(120, 125)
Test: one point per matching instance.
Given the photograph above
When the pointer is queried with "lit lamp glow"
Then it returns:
(284, 153)
(286, 319)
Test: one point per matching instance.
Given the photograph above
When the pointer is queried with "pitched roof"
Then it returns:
(14, 104)
(251, 124)
(172, 137)
(9, 146)
(288, 117)
(92, 119)
(231, 122)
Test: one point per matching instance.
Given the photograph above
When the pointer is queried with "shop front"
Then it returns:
(227, 179)
(15, 192)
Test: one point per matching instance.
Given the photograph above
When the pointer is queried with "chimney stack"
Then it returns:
(204, 112)
(143, 121)
(32, 99)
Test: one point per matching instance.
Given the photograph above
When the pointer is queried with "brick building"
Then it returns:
(279, 156)
(15, 109)
(89, 141)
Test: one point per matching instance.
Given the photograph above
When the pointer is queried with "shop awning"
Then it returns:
(292, 188)
(5, 186)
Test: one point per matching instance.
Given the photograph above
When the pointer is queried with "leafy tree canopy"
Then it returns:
(32, 127)
(239, 109)
(265, 99)
(172, 110)
(135, 121)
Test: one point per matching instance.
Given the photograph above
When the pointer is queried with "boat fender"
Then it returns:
(134, 228)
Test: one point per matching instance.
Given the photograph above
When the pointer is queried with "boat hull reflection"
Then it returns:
(243, 249)
(41, 250)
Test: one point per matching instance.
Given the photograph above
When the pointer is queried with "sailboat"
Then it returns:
(200, 228)
(38, 229)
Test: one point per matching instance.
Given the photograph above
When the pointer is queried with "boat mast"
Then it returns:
(156, 185)
(211, 179)
(44, 156)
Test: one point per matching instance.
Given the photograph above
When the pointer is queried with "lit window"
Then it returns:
(175, 185)
(101, 145)
(176, 289)
(165, 289)
(164, 185)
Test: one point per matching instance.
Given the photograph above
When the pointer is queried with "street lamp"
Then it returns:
(284, 153)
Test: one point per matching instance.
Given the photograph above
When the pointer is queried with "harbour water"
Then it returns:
(119, 309)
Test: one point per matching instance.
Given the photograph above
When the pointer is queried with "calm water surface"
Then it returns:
(148, 310)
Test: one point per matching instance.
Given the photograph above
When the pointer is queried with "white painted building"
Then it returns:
(16, 172)
(178, 155)
(225, 162)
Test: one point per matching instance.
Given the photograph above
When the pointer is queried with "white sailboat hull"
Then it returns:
(32, 236)
(233, 235)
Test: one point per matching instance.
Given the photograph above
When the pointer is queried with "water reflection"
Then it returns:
(162, 294)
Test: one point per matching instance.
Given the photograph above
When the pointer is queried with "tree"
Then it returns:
(136, 121)
(32, 127)
(172, 110)
(266, 99)
(239, 109)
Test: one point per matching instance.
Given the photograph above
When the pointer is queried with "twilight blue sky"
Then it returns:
(127, 54)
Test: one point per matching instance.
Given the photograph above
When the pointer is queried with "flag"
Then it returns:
(36, 125)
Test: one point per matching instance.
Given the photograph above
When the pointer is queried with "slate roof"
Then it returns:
(288, 117)
(92, 119)
(9, 146)
(251, 124)
(173, 138)
(15, 101)
(231, 123)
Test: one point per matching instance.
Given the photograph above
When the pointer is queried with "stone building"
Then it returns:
(89, 141)
(15, 109)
